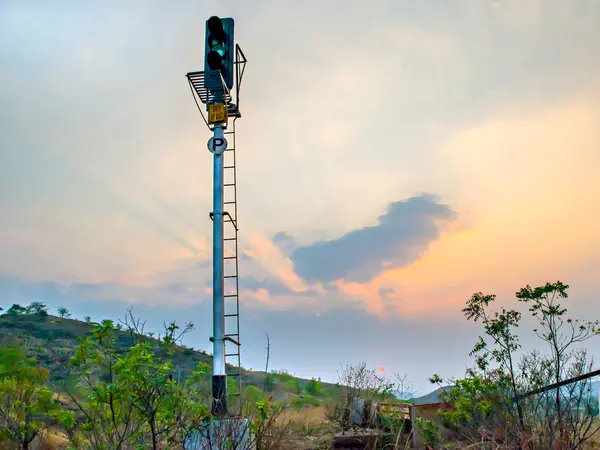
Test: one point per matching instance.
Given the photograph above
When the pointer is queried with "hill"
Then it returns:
(93, 385)
(53, 340)
(432, 397)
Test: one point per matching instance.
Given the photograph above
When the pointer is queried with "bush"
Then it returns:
(305, 400)
(252, 394)
(313, 387)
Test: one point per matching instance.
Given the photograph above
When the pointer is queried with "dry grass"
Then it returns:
(308, 428)
(50, 439)
(594, 442)
(309, 416)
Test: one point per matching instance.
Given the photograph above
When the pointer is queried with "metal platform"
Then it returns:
(209, 86)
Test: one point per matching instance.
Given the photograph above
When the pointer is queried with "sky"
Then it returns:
(394, 157)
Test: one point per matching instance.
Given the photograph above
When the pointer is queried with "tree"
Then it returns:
(87, 319)
(357, 382)
(26, 403)
(561, 334)
(499, 326)
(475, 401)
(15, 310)
(295, 386)
(150, 377)
(252, 394)
(134, 398)
(37, 308)
(102, 396)
(269, 383)
(313, 387)
(404, 388)
(500, 391)
(63, 312)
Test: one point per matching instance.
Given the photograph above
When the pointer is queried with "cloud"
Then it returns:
(284, 241)
(384, 292)
(176, 294)
(401, 235)
(269, 256)
(274, 287)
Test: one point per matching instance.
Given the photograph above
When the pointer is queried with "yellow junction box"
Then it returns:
(217, 113)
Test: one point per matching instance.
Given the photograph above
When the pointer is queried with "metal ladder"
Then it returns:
(230, 263)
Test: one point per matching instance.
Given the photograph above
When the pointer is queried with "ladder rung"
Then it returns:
(236, 374)
(230, 276)
(228, 184)
(229, 257)
(231, 219)
(227, 338)
(229, 203)
(229, 149)
(230, 239)
(231, 334)
(230, 295)
(230, 339)
(231, 315)
(228, 132)
(229, 167)
(231, 354)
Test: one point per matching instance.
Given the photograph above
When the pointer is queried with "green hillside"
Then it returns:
(52, 341)
(102, 384)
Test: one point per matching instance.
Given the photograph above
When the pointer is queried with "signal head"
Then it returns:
(219, 47)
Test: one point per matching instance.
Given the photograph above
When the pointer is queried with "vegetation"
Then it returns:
(358, 382)
(114, 386)
(26, 404)
(491, 405)
(63, 312)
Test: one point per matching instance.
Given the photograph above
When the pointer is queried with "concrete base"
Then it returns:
(222, 434)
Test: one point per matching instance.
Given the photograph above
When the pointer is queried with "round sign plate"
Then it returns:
(217, 145)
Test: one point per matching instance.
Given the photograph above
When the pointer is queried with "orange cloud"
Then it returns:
(270, 256)
(529, 182)
(261, 295)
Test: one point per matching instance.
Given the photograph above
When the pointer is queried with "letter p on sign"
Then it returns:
(217, 145)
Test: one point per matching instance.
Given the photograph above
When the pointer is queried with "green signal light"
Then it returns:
(220, 48)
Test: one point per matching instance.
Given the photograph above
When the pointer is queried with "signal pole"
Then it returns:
(218, 87)
(217, 145)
